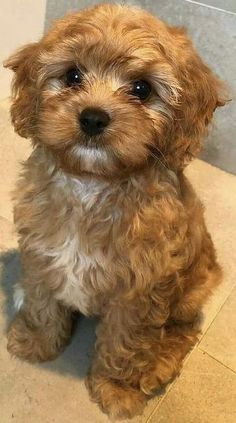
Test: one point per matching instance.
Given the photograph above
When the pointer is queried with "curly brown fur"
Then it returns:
(109, 225)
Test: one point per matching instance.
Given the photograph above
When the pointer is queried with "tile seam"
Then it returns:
(216, 359)
(217, 312)
(196, 347)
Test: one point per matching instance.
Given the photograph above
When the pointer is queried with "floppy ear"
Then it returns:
(24, 98)
(202, 92)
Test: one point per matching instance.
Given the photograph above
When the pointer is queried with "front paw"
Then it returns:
(27, 343)
(116, 401)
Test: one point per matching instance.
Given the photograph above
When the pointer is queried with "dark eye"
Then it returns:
(73, 77)
(141, 89)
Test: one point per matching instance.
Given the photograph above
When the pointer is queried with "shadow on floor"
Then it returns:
(76, 359)
(10, 273)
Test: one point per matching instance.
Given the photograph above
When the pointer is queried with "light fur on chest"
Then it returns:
(79, 225)
(83, 252)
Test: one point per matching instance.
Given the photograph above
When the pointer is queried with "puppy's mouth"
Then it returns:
(92, 142)
(91, 151)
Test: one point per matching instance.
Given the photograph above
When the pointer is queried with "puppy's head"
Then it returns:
(111, 89)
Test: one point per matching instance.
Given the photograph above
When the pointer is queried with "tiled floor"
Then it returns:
(205, 392)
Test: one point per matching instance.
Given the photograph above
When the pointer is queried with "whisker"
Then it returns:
(152, 150)
(160, 152)
(158, 159)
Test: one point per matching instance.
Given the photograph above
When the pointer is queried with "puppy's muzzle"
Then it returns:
(93, 121)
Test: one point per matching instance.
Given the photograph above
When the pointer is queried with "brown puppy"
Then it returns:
(116, 103)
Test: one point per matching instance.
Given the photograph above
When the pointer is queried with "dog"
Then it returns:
(116, 104)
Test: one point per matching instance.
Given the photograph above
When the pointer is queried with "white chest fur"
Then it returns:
(80, 250)
(81, 269)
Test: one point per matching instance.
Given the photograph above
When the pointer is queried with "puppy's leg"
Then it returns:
(134, 359)
(113, 381)
(170, 351)
(41, 328)
(183, 324)
(200, 285)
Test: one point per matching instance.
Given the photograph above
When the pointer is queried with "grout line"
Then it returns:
(217, 312)
(160, 402)
(172, 384)
(211, 7)
(218, 361)
(195, 348)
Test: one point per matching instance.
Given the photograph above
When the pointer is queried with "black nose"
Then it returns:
(93, 121)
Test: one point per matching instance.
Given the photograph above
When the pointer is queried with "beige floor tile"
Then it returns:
(204, 393)
(220, 339)
(217, 190)
(13, 150)
(8, 239)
